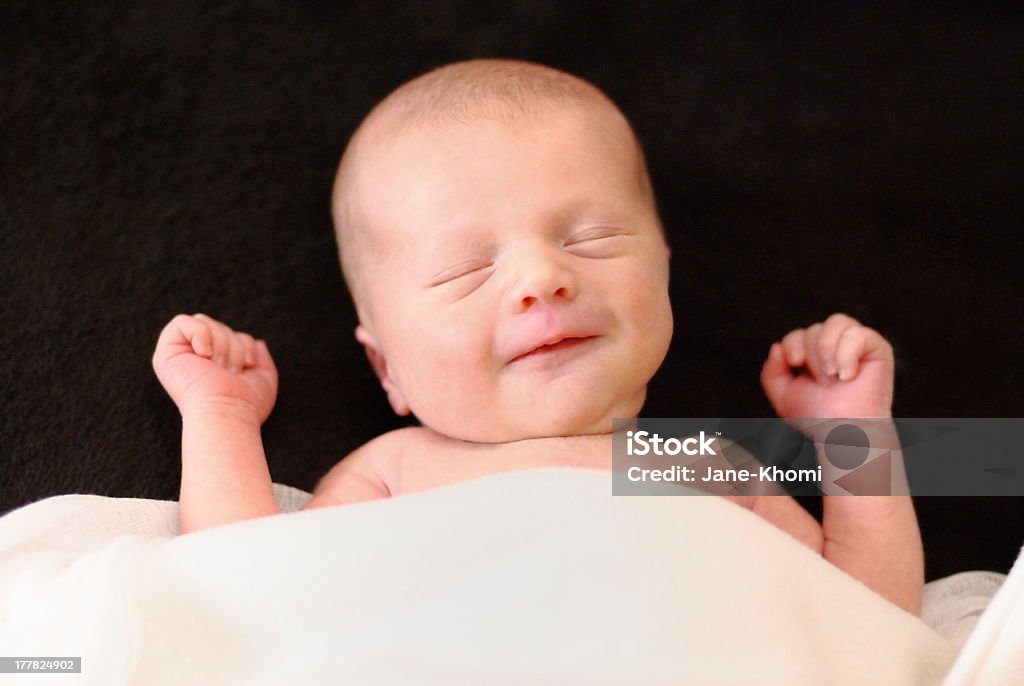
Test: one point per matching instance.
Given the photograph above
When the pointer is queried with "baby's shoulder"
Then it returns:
(374, 469)
(409, 437)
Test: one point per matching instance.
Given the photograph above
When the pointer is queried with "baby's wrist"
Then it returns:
(878, 413)
(220, 409)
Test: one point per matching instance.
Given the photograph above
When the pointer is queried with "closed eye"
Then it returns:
(458, 271)
(598, 242)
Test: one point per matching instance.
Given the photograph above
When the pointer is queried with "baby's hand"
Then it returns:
(203, 364)
(836, 369)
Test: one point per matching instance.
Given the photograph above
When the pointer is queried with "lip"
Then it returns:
(552, 346)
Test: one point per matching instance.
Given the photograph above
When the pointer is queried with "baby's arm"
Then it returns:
(224, 384)
(845, 371)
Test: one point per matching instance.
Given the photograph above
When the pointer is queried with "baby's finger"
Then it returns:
(857, 344)
(828, 341)
(248, 345)
(236, 352)
(849, 351)
(815, 364)
(775, 375)
(202, 341)
(793, 349)
(188, 331)
(264, 362)
(220, 336)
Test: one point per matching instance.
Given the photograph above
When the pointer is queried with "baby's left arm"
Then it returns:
(840, 369)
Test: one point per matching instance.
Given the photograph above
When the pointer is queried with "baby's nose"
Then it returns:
(542, 275)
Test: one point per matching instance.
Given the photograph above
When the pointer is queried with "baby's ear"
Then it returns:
(380, 368)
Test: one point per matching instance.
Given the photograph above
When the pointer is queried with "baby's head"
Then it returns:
(499, 236)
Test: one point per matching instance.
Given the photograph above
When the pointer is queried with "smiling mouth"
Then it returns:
(544, 350)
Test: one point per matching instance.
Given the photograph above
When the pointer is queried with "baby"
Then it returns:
(499, 236)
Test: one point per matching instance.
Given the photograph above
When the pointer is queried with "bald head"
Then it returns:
(457, 95)
(463, 92)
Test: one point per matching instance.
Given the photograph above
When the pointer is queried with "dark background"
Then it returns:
(158, 158)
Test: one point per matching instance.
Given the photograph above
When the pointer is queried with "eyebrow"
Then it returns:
(463, 244)
(587, 209)
(468, 238)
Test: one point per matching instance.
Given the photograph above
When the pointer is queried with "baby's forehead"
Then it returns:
(457, 155)
(442, 136)
(393, 132)
(396, 138)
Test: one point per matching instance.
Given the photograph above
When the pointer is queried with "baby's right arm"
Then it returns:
(224, 384)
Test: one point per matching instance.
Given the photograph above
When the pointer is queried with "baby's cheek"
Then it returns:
(651, 318)
(646, 289)
(451, 371)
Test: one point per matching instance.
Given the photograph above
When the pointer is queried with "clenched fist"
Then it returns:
(835, 369)
(204, 365)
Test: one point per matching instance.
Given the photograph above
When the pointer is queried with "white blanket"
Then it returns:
(538, 577)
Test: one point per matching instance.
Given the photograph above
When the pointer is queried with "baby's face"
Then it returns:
(518, 285)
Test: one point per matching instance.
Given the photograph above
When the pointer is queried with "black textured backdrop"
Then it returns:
(161, 157)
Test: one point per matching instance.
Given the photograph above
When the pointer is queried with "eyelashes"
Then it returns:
(598, 242)
(594, 234)
(594, 243)
(460, 270)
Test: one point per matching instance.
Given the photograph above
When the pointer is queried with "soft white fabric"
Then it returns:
(83, 522)
(538, 577)
(953, 605)
(994, 652)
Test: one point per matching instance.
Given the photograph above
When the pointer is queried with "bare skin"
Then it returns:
(226, 384)
(513, 296)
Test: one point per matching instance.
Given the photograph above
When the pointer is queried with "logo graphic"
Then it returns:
(748, 456)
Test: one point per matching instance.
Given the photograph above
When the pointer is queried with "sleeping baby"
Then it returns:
(499, 236)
